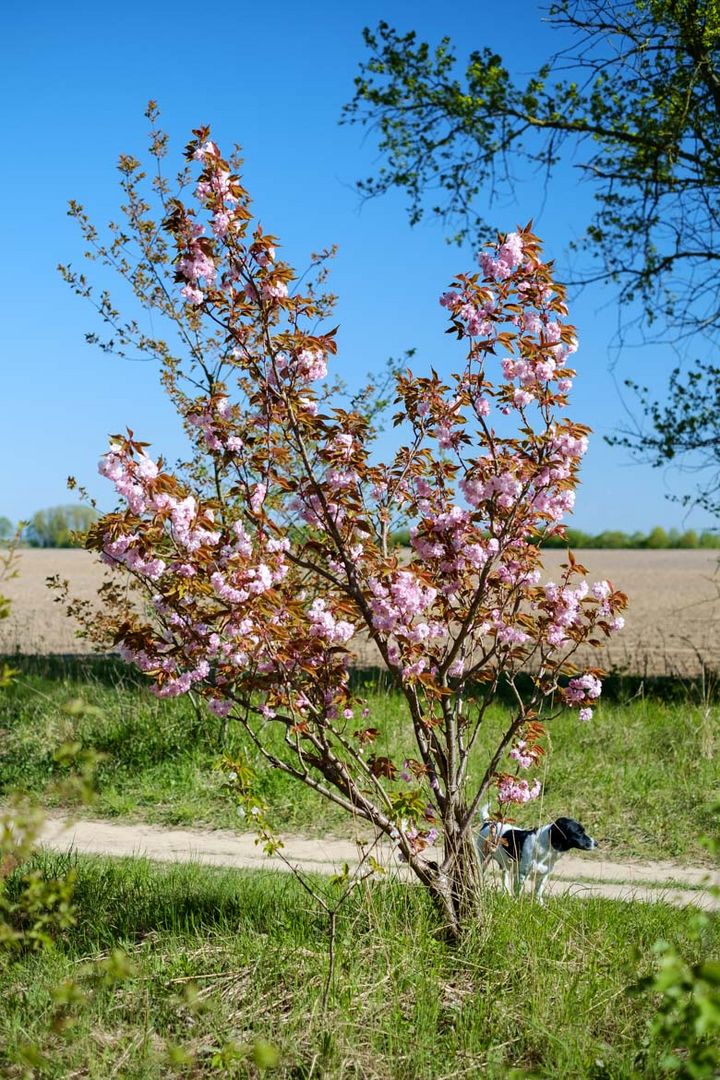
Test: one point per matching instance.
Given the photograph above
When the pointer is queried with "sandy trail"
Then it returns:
(585, 876)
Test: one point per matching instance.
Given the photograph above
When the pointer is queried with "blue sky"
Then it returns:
(75, 79)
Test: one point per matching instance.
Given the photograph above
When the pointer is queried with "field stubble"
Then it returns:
(672, 625)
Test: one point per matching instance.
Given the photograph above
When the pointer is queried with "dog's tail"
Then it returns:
(483, 812)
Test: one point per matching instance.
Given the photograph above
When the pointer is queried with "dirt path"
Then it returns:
(580, 875)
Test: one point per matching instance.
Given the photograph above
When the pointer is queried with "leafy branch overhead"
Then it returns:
(632, 98)
(642, 100)
(688, 423)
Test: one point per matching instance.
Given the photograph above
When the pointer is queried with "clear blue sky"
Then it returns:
(75, 79)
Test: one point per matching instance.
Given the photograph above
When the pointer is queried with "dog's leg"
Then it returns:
(508, 881)
(540, 883)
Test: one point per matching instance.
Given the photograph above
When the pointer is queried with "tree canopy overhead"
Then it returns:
(634, 94)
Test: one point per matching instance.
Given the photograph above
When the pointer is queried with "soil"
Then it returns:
(672, 624)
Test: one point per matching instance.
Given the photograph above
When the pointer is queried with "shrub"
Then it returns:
(262, 562)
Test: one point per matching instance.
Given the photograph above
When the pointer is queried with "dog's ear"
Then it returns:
(575, 830)
(560, 834)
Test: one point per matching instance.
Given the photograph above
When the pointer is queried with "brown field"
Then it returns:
(672, 625)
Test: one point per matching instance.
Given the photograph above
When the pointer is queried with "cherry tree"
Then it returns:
(269, 557)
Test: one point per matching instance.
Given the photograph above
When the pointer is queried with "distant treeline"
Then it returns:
(656, 538)
(56, 527)
(614, 538)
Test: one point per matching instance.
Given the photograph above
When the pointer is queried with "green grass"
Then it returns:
(641, 776)
(218, 957)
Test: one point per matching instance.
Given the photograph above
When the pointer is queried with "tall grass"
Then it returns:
(641, 776)
(218, 956)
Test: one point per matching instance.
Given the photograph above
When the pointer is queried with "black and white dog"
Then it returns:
(529, 853)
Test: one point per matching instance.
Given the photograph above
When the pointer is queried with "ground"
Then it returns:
(672, 626)
(196, 961)
(580, 876)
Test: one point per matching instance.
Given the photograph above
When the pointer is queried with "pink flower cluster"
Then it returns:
(311, 364)
(244, 575)
(343, 445)
(509, 257)
(220, 706)
(563, 605)
(196, 264)
(566, 448)
(263, 253)
(129, 476)
(602, 591)
(451, 541)
(309, 506)
(207, 149)
(325, 626)
(239, 586)
(507, 633)
(133, 481)
(258, 497)
(512, 790)
(124, 552)
(475, 317)
(175, 687)
(212, 419)
(582, 687)
(448, 438)
(485, 484)
(188, 531)
(339, 479)
(175, 682)
(520, 754)
(564, 452)
(395, 605)
(582, 690)
(216, 190)
(217, 185)
(275, 289)
(535, 372)
(554, 504)
(308, 365)
(514, 572)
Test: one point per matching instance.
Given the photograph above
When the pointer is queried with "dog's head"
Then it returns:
(566, 833)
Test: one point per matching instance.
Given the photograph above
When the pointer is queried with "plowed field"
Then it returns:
(672, 625)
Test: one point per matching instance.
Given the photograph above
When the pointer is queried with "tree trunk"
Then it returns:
(457, 887)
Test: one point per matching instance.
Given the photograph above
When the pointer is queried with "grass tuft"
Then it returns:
(217, 957)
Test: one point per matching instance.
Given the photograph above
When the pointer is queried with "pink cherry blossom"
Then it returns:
(258, 497)
(275, 290)
(192, 294)
(509, 256)
(512, 790)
